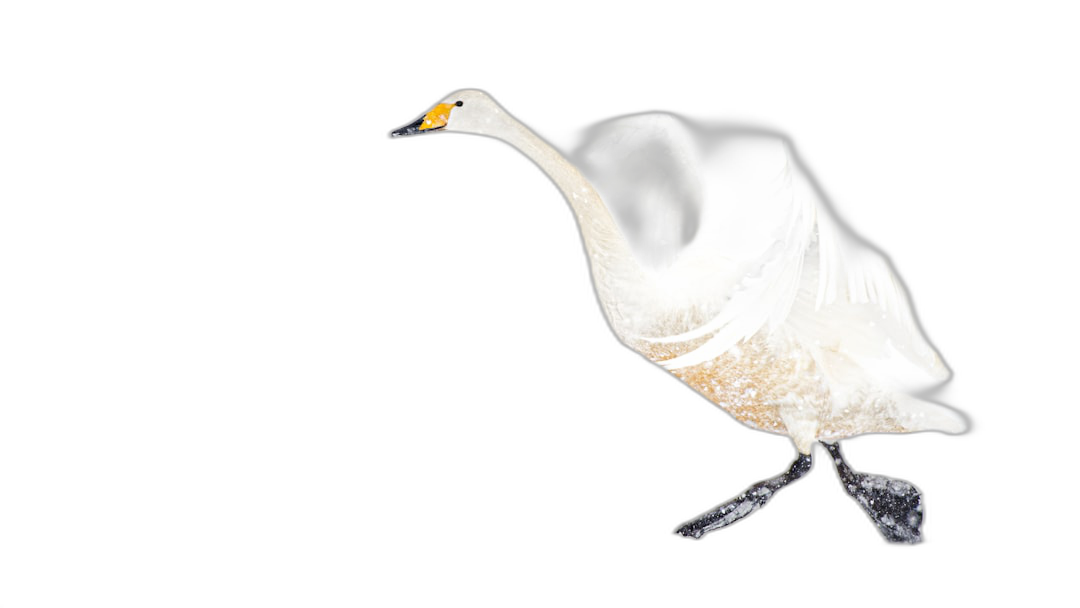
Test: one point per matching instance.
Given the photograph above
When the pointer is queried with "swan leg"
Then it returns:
(746, 503)
(895, 505)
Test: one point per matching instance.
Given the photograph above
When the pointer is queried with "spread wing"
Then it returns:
(713, 221)
(728, 226)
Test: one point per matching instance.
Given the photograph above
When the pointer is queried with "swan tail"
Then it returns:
(915, 414)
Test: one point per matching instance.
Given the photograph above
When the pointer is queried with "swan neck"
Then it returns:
(611, 260)
(565, 175)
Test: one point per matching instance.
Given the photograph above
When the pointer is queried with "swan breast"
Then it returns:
(772, 383)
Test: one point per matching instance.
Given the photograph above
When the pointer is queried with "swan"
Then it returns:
(717, 259)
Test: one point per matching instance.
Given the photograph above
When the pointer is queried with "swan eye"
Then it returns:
(459, 103)
(437, 117)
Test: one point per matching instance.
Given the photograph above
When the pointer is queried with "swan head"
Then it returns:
(464, 111)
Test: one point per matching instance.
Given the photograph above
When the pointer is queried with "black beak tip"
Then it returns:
(410, 129)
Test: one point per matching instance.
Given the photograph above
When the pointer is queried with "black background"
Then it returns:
(466, 415)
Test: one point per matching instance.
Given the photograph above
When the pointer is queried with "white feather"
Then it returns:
(766, 250)
(705, 244)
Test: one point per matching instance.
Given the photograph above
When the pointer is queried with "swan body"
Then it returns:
(714, 256)
(770, 309)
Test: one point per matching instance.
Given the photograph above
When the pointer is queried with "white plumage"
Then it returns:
(714, 255)
(736, 244)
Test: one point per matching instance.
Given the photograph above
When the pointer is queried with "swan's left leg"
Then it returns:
(746, 503)
(894, 504)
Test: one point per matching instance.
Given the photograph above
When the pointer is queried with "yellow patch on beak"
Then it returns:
(437, 117)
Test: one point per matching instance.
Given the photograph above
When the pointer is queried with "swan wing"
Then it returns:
(853, 304)
(833, 291)
(767, 253)
(735, 239)
(744, 266)
(712, 221)
(646, 169)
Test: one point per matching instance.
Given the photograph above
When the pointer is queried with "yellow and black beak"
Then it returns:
(434, 120)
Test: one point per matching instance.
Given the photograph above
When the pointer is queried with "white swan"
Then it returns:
(723, 264)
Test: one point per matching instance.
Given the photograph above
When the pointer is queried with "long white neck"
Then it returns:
(614, 268)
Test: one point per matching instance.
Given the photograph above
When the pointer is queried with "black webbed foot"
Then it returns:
(894, 504)
(746, 503)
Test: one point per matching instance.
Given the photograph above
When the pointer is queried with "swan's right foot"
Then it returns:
(746, 503)
(895, 505)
